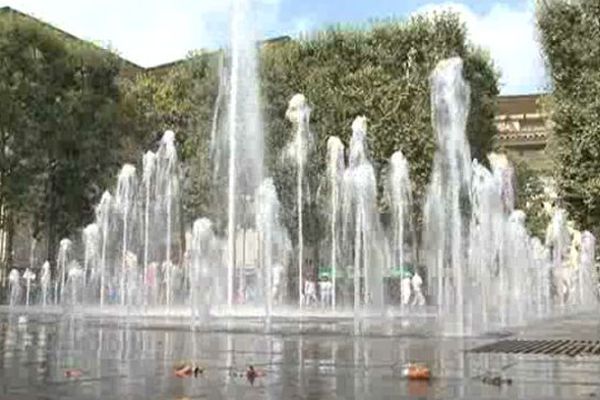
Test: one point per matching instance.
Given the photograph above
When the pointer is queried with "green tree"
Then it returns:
(569, 34)
(180, 98)
(58, 128)
(382, 73)
(531, 198)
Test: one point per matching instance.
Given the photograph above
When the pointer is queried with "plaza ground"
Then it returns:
(310, 358)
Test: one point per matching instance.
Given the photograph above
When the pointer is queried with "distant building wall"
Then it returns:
(524, 130)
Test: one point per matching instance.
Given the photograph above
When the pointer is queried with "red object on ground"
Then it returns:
(73, 373)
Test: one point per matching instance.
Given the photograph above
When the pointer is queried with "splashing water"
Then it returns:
(444, 229)
(335, 174)
(202, 256)
(298, 113)
(267, 215)
(244, 126)
(148, 177)
(124, 202)
(102, 220)
(400, 192)
(360, 212)
(62, 261)
(484, 270)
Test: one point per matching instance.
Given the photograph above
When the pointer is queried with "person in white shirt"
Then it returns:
(310, 292)
(325, 292)
(418, 298)
(405, 291)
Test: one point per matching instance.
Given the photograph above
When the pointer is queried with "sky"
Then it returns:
(152, 32)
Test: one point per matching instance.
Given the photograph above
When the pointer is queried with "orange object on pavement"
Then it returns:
(417, 372)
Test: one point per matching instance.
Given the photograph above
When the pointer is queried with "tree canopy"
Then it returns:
(382, 73)
(569, 33)
(71, 117)
(58, 127)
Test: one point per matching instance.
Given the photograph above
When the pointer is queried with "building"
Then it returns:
(524, 129)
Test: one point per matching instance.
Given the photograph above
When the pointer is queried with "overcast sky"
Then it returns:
(152, 32)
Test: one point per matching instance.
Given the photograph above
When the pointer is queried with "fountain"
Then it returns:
(167, 188)
(482, 269)
(124, 203)
(149, 167)
(587, 273)
(202, 256)
(102, 217)
(400, 198)
(267, 214)
(61, 264)
(28, 276)
(335, 173)
(91, 241)
(360, 212)
(298, 113)
(244, 127)
(444, 228)
(45, 279)
(75, 279)
(14, 287)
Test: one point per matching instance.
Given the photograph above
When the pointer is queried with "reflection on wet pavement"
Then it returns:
(120, 359)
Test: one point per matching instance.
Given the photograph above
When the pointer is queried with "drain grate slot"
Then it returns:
(547, 347)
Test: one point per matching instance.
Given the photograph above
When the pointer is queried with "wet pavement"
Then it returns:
(316, 358)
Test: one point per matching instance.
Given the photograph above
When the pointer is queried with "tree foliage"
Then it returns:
(382, 73)
(569, 33)
(531, 198)
(71, 117)
(181, 99)
(58, 127)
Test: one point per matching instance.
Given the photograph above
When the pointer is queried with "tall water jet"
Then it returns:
(74, 280)
(215, 150)
(167, 190)
(400, 192)
(335, 173)
(267, 214)
(45, 279)
(485, 239)
(14, 286)
(244, 125)
(539, 259)
(588, 277)
(91, 244)
(148, 171)
(103, 222)
(124, 201)
(360, 212)
(28, 276)
(504, 173)
(64, 250)
(515, 269)
(202, 255)
(558, 238)
(298, 113)
(32, 251)
(449, 186)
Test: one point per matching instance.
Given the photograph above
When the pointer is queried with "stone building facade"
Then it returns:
(524, 129)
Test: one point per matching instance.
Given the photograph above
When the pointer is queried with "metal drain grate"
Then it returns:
(547, 347)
